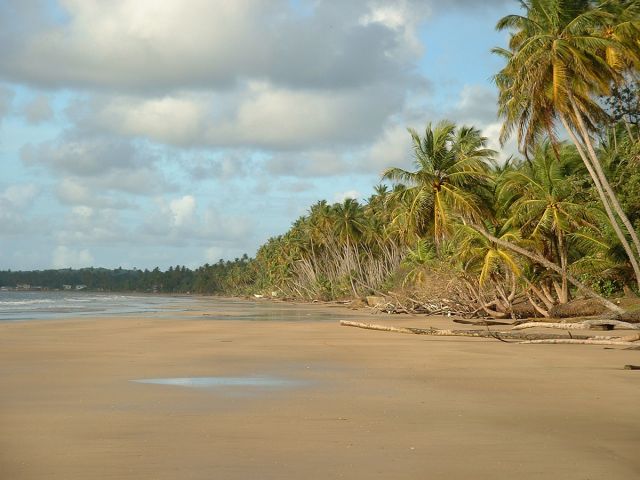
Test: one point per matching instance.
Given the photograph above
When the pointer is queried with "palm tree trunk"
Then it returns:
(562, 250)
(537, 308)
(540, 294)
(603, 179)
(605, 201)
(353, 287)
(550, 265)
(547, 293)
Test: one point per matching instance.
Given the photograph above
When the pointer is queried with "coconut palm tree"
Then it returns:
(417, 260)
(490, 264)
(556, 67)
(349, 225)
(545, 207)
(451, 163)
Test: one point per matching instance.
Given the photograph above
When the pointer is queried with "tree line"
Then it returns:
(223, 277)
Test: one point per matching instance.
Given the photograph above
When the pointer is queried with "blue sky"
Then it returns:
(138, 133)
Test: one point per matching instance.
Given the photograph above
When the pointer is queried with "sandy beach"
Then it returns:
(354, 404)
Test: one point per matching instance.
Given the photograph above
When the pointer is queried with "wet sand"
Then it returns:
(361, 405)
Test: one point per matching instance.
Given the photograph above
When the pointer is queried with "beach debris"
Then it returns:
(518, 336)
(581, 307)
(482, 323)
(376, 302)
(577, 341)
(584, 325)
(632, 367)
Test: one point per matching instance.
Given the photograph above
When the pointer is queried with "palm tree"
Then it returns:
(556, 67)
(416, 260)
(490, 263)
(545, 207)
(349, 225)
(451, 163)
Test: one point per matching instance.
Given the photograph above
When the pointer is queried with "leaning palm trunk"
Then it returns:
(564, 288)
(605, 200)
(551, 266)
(603, 179)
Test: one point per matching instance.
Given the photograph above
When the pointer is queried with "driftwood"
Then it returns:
(586, 325)
(530, 338)
(509, 335)
(615, 323)
(632, 367)
(482, 323)
(635, 337)
(585, 341)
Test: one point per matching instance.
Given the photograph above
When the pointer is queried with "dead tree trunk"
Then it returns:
(509, 335)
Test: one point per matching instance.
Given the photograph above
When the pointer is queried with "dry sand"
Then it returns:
(373, 405)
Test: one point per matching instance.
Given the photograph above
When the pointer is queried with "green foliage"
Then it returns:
(231, 277)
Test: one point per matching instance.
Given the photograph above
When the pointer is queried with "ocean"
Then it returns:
(43, 305)
(38, 305)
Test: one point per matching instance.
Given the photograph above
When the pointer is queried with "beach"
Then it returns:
(334, 402)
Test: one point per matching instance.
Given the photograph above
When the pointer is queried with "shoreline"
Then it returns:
(369, 405)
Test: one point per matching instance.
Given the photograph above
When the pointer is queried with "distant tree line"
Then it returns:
(224, 277)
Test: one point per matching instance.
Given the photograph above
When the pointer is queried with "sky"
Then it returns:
(144, 133)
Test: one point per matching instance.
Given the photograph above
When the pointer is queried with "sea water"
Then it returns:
(217, 382)
(42, 305)
(37, 305)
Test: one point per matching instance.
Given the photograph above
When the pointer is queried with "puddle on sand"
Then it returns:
(213, 382)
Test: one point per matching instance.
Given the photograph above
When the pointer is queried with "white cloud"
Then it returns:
(180, 221)
(213, 254)
(142, 44)
(15, 215)
(89, 156)
(38, 110)
(95, 170)
(255, 114)
(83, 225)
(174, 120)
(20, 195)
(6, 100)
(340, 197)
(83, 212)
(392, 149)
(78, 191)
(476, 105)
(492, 132)
(315, 163)
(182, 210)
(73, 192)
(67, 257)
(403, 16)
(223, 166)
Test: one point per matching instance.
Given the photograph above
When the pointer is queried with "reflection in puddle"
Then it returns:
(211, 382)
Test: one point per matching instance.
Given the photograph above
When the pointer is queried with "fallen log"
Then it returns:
(632, 367)
(615, 323)
(509, 335)
(482, 323)
(635, 337)
(585, 325)
(371, 326)
(627, 338)
(584, 341)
